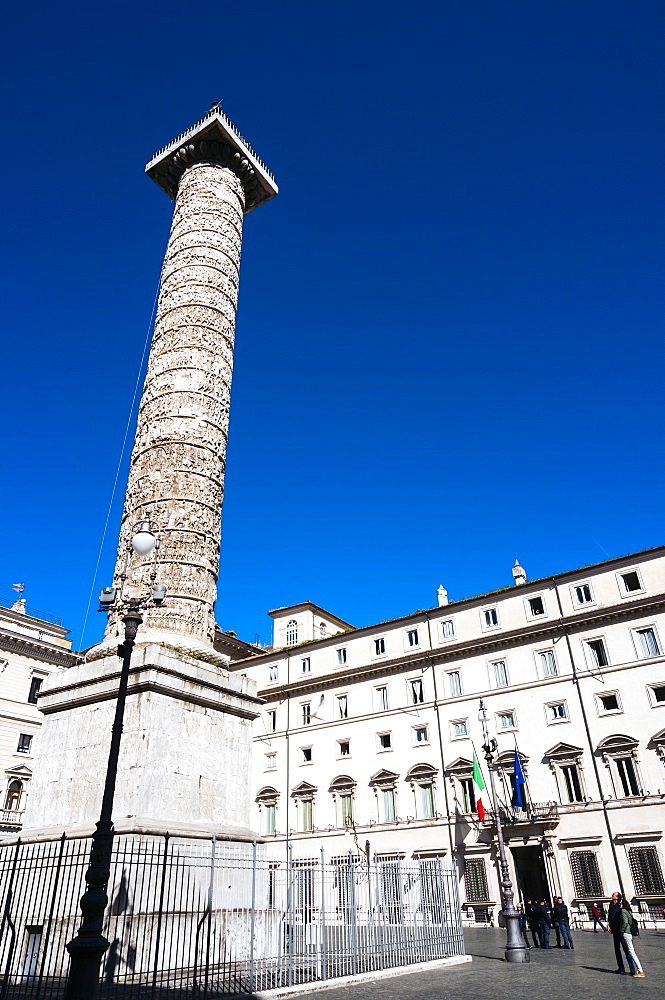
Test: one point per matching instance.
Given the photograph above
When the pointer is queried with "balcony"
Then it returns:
(11, 820)
(535, 812)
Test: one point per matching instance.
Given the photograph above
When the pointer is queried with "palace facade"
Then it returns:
(367, 737)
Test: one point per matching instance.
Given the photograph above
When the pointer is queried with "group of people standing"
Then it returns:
(540, 919)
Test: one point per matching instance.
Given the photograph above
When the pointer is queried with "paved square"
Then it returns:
(585, 973)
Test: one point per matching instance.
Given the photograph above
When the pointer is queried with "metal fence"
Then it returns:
(212, 919)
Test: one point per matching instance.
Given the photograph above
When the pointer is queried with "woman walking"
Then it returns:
(626, 926)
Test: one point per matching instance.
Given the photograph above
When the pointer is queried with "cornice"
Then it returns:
(37, 651)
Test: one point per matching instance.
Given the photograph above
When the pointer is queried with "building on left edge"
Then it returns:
(32, 646)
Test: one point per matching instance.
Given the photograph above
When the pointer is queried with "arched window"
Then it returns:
(267, 803)
(14, 793)
(619, 755)
(421, 778)
(291, 632)
(304, 796)
(342, 789)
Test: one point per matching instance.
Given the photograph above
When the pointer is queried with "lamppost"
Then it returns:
(516, 949)
(88, 947)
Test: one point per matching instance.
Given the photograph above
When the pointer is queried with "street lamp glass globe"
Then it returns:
(143, 542)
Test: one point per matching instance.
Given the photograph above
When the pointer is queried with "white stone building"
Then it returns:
(367, 737)
(30, 649)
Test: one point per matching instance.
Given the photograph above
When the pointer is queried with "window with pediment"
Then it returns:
(342, 789)
(565, 761)
(619, 754)
(421, 777)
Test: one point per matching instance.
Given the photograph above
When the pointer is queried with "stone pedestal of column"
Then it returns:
(185, 757)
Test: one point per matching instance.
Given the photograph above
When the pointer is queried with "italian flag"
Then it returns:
(479, 787)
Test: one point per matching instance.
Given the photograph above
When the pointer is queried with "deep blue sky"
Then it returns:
(449, 347)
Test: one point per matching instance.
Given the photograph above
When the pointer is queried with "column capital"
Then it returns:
(213, 139)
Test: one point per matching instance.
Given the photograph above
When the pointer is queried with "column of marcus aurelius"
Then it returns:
(177, 467)
(186, 745)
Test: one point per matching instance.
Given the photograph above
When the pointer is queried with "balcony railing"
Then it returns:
(11, 818)
(535, 812)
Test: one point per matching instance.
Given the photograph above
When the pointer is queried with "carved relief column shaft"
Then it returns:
(177, 467)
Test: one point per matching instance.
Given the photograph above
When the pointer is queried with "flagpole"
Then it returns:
(516, 948)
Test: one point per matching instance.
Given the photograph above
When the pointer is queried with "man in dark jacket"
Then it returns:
(560, 917)
(543, 922)
(614, 925)
(531, 921)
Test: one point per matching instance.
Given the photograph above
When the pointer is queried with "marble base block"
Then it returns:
(185, 757)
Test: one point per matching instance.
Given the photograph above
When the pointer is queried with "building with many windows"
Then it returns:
(367, 738)
(31, 648)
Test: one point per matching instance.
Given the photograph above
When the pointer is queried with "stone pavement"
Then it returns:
(585, 973)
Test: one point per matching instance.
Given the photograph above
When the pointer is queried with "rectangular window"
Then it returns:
(631, 581)
(475, 880)
(609, 702)
(506, 720)
(412, 637)
(342, 706)
(417, 693)
(467, 795)
(556, 711)
(586, 874)
(491, 617)
(389, 805)
(381, 697)
(583, 594)
(24, 743)
(536, 606)
(346, 803)
(379, 647)
(306, 710)
(420, 734)
(269, 821)
(344, 748)
(305, 755)
(597, 652)
(271, 761)
(648, 642)
(271, 721)
(499, 673)
(273, 672)
(646, 871)
(447, 630)
(427, 801)
(454, 683)
(627, 776)
(385, 741)
(35, 685)
(571, 782)
(306, 665)
(341, 657)
(306, 813)
(658, 694)
(548, 667)
(458, 728)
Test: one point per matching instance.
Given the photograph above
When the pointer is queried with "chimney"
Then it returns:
(519, 574)
(442, 595)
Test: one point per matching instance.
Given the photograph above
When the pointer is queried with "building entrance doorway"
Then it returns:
(531, 874)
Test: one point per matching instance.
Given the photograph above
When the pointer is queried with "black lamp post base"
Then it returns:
(86, 957)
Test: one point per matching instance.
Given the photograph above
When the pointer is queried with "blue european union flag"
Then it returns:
(518, 793)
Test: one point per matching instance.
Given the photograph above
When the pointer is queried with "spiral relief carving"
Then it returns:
(177, 467)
